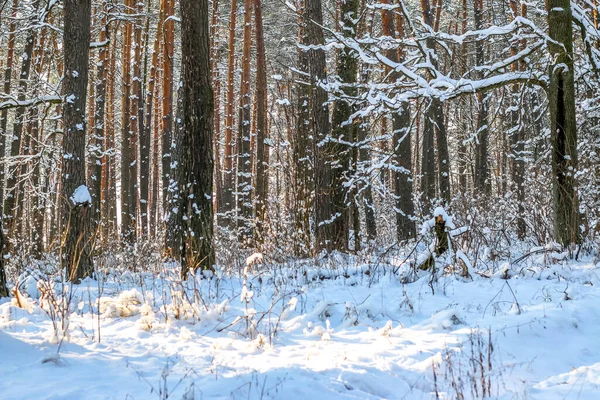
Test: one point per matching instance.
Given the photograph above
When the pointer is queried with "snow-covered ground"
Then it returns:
(306, 332)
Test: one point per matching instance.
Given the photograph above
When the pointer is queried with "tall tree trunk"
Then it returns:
(347, 70)
(155, 114)
(482, 184)
(15, 189)
(195, 151)
(229, 173)
(401, 142)
(110, 193)
(328, 220)
(146, 141)
(301, 145)
(143, 137)
(216, 79)
(99, 158)
(127, 154)
(75, 200)
(365, 28)
(518, 136)
(563, 127)
(3, 286)
(434, 129)
(37, 191)
(464, 114)
(168, 26)
(244, 175)
(262, 174)
(10, 52)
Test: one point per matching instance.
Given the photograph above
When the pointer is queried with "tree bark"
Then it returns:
(76, 211)
(168, 26)
(401, 143)
(244, 174)
(347, 69)
(518, 136)
(302, 150)
(10, 52)
(142, 135)
(195, 151)
(127, 152)
(229, 173)
(262, 174)
(329, 233)
(563, 127)
(3, 283)
(15, 190)
(99, 150)
(482, 184)
(434, 128)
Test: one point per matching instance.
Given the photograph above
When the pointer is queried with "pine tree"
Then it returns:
(195, 140)
(75, 199)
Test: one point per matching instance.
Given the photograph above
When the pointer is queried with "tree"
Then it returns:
(518, 134)
(195, 140)
(434, 123)
(329, 231)
(401, 142)
(75, 198)
(262, 151)
(228, 202)
(302, 150)
(563, 125)
(481, 148)
(99, 149)
(128, 169)
(19, 140)
(344, 132)
(244, 174)
(168, 46)
(3, 286)
(10, 52)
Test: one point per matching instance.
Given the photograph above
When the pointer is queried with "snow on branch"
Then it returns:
(14, 103)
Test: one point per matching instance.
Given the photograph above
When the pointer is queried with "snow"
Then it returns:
(310, 331)
(81, 195)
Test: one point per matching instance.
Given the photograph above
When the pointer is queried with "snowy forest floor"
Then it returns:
(343, 330)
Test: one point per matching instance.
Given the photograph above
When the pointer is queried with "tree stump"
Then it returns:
(442, 244)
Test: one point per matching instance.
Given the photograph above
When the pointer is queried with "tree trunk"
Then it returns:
(75, 201)
(146, 142)
(518, 136)
(127, 154)
(262, 174)
(464, 114)
(15, 189)
(244, 175)
(216, 79)
(99, 154)
(3, 286)
(340, 153)
(195, 151)
(301, 146)
(143, 134)
(156, 116)
(229, 173)
(401, 143)
(110, 186)
(329, 232)
(168, 26)
(434, 129)
(10, 52)
(482, 184)
(366, 27)
(563, 127)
